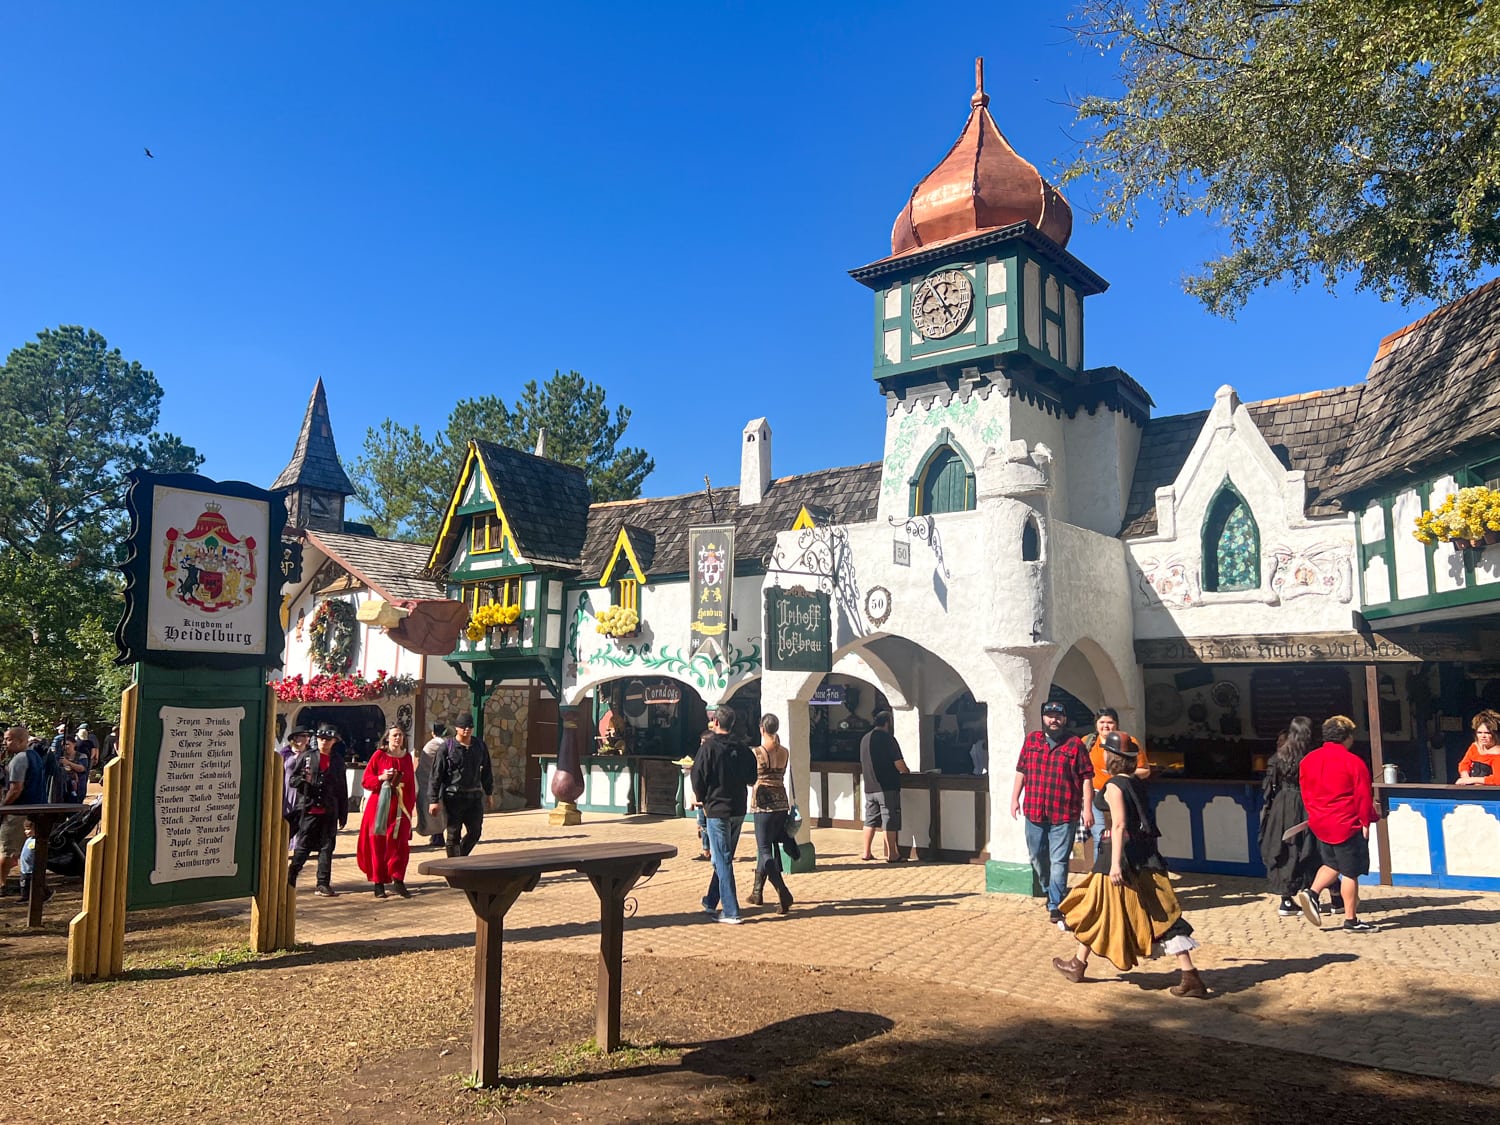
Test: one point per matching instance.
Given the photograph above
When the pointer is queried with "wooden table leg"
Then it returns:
(612, 886)
(489, 938)
(39, 874)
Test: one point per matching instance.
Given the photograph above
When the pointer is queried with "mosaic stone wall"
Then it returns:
(506, 714)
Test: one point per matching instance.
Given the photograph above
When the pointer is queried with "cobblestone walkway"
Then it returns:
(1421, 995)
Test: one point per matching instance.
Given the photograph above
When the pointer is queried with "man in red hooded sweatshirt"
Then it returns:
(1340, 809)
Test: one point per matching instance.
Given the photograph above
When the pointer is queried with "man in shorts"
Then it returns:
(1340, 809)
(881, 767)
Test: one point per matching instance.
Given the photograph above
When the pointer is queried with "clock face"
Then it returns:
(940, 303)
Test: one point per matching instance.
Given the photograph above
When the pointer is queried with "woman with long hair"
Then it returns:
(771, 806)
(1126, 910)
(1290, 863)
(385, 827)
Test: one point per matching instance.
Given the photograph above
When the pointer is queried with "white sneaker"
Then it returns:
(728, 921)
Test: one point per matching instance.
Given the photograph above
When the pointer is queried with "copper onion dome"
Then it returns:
(981, 184)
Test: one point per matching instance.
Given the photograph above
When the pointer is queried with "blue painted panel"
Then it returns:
(1432, 810)
(1197, 795)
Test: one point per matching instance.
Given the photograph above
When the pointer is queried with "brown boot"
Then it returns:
(758, 890)
(1191, 984)
(1072, 968)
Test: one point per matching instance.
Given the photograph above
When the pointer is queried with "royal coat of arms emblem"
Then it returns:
(208, 566)
(710, 564)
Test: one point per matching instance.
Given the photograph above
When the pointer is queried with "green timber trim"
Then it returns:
(1469, 595)
(1001, 877)
(509, 567)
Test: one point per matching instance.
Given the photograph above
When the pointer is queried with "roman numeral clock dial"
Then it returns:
(940, 303)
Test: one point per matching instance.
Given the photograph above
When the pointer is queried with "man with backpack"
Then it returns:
(461, 780)
(723, 772)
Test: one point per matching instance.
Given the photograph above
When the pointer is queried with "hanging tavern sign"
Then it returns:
(711, 570)
(203, 575)
(797, 631)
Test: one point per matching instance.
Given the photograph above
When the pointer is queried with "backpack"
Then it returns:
(42, 775)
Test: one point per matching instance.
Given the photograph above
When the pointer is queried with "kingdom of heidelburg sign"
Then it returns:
(1307, 648)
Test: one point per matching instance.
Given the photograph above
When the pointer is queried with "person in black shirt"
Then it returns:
(722, 773)
(881, 767)
(461, 780)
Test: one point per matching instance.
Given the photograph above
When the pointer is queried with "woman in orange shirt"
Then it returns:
(1481, 765)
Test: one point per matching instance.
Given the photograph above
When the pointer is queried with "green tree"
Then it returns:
(404, 481)
(78, 416)
(1330, 138)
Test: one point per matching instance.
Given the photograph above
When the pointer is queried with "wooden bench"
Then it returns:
(493, 882)
(45, 817)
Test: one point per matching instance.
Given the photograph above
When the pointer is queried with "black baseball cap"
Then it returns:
(463, 722)
(1053, 707)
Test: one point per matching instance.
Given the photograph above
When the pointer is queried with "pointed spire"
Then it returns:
(315, 461)
(541, 441)
(981, 184)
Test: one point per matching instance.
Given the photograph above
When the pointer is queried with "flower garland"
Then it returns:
(335, 689)
(488, 616)
(1463, 518)
(332, 634)
(617, 621)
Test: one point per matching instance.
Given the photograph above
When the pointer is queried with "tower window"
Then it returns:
(946, 485)
(1031, 541)
(1231, 544)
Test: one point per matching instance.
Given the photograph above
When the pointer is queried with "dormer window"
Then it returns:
(1231, 543)
(628, 594)
(486, 533)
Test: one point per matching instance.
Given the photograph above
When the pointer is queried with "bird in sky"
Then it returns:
(150, 154)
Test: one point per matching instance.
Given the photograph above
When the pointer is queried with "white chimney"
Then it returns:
(541, 441)
(755, 462)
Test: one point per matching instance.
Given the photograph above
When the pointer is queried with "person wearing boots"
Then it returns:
(771, 807)
(461, 780)
(1126, 910)
(322, 806)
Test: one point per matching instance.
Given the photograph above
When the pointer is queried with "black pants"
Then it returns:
(466, 815)
(319, 833)
(770, 830)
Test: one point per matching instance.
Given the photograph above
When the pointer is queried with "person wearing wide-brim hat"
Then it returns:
(321, 802)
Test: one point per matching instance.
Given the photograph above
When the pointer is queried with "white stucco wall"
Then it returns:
(1307, 565)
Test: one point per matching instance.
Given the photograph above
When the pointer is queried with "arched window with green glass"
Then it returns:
(944, 482)
(1231, 543)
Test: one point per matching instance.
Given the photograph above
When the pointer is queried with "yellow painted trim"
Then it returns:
(506, 537)
(453, 501)
(273, 908)
(622, 543)
(804, 520)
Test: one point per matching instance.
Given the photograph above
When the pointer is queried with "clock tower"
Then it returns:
(979, 334)
(315, 482)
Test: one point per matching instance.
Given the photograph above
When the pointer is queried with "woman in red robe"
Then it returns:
(385, 827)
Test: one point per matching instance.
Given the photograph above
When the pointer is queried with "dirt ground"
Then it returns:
(201, 1029)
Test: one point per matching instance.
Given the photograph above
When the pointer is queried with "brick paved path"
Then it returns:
(1421, 995)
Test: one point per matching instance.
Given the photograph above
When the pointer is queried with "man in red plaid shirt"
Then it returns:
(1057, 777)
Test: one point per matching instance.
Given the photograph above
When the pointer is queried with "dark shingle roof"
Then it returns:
(389, 567)
(643, 543)
(1308, 432)
(847, 495)
(546, 502)
(1433, 389)
(315, 461)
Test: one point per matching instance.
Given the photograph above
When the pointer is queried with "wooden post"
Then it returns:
(96, 935)
(270, 927)
(611, 887)
(1377, 766)
(489, 942)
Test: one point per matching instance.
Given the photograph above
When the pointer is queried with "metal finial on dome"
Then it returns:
(980, 98)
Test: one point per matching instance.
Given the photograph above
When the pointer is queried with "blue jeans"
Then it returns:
(723, 838)
(1050, 846)
(1096, 834)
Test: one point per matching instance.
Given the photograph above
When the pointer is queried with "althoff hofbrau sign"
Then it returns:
(797, 631)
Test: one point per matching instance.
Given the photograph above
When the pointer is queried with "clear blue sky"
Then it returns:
(420, 202)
